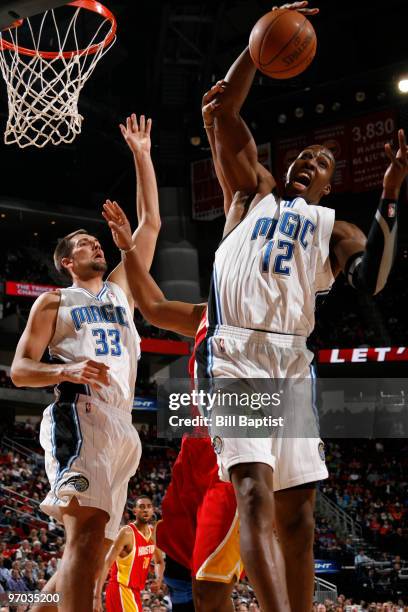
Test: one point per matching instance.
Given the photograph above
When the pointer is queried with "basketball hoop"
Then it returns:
(43, 86)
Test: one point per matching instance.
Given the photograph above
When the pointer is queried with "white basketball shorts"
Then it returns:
(91, 451)
(246, 354)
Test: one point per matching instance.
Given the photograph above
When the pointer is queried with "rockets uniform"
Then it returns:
(128, 575)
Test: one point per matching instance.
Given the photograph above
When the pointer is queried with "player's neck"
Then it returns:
(94, 285)
(144, 528)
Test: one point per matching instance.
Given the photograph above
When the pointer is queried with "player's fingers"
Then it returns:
(149, 126)
(292, 6)
(128, 124)
(142, 123)
(110, 209)
(122, 129)
(389, 152)
(97, 364)
(118, 211)
(402, 144)
(106, 216)
(135, 126)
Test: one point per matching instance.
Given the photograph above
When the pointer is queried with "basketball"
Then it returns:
(282, 44)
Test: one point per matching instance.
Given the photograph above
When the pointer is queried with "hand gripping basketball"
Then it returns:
(300, 7)
(283, 42)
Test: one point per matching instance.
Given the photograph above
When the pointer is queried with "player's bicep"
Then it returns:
(347, 240)
(40, 328)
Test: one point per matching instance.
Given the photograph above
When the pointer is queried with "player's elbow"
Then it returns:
(16, 375)
(151, 222)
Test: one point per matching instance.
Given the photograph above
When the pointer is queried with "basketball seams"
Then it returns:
(290, 57)
(306, 61)
(298, 33)
(267, 33)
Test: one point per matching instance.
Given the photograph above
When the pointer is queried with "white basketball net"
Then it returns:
(43, 93)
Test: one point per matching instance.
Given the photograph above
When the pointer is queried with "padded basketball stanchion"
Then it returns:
(43, 86)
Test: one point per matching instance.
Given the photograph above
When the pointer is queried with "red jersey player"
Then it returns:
(200, 526)
(129, 560)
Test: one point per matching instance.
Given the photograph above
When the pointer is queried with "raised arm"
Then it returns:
(27, 369)
(208, 106)
(368, 262)
(175, 316)
(236, 149)
(236, 205)
(137, 137)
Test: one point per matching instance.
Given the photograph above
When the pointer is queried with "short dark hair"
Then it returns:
(138, 499)
(64, 249)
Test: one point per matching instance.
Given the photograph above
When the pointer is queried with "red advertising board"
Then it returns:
(27, 289)
(357, 145)
(208, 202)
(363, 355)
(367, 138)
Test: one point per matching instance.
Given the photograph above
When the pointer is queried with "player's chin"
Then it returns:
(294, 189)
(99, 266)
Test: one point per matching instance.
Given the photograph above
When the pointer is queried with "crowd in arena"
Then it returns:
(350, 330)
(372, 488)
(31, 544)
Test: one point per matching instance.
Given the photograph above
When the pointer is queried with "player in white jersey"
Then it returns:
(91, 447)
(282, 251)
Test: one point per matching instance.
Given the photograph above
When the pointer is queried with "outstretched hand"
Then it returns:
(211, 102)
(119, 225)
(300, 7)
(397, 171)
(137, 134)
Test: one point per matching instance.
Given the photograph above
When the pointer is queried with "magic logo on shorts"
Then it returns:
(321, 451)
(217, 444)
(77, 482)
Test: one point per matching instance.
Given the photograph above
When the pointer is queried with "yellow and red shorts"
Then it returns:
(120, 598)
(200, 525)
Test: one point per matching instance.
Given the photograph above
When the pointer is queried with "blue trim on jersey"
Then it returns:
(313, 377)
(74, 418)
(217, 297)
(98, 296)
(102, 291)
(210, 362)
(53, 443)
(80, 439)
(289, 203)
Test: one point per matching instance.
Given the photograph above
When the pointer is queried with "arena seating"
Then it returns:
(32, 544)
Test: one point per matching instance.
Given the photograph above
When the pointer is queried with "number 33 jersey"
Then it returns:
(269, 269)
(98, 327)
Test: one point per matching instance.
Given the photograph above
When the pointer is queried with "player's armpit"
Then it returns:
(26, 369)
